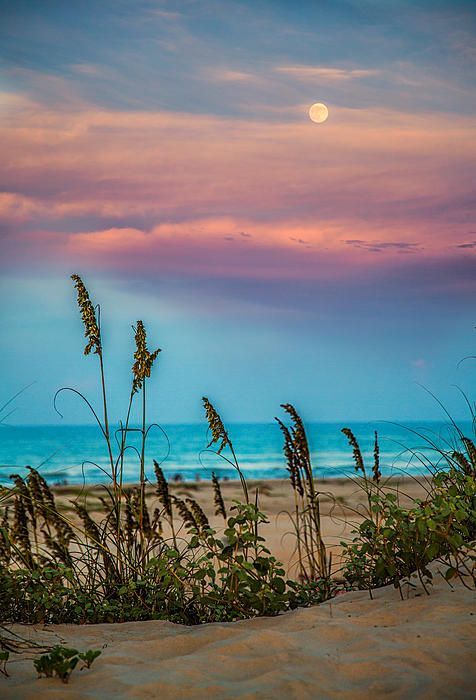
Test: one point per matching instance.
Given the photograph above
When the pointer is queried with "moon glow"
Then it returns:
(318, 112)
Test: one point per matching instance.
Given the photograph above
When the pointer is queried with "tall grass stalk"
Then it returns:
(313, 560)
(92, 331)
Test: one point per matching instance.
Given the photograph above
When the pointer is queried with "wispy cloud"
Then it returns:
(471, 244)
(88, 69)
(325, 73)
(300, 241)
(164, 14)
(380, 246)
(226, 75)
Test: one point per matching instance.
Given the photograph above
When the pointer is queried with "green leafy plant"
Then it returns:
(61, 662)
(4, 656)
(393, 543)
(13, 643)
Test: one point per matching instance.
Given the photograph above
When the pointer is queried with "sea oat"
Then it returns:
(143, 358)
(186, 515)
(217, 428)
(312, 557)
(471, 450)
(377, 474)
(5, 538)
(218, 497)
(291, 459)
(162, 490)
(200, 517)
(19, 530)
(129, 520)
(358, 459)
(300, 445)
(91, 328)
(462, 462)
(91, 529)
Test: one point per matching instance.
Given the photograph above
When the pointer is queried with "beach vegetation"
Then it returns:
(396, 544)
(61, 661)
(313, 559)
(133, 555)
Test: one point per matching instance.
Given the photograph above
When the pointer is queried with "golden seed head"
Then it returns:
(357, 454)
(462, 462)
(293, 461)
(186, 514)
(216, 426)
(163, 489)
(143, 358)
(198, 513)
(296, 450)
(88, 314)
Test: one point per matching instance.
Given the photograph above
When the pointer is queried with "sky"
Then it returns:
(164, 152)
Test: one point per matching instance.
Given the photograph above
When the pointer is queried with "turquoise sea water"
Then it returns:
(69, 453)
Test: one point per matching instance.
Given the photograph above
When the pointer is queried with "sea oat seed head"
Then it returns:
(218, 497)
(216, 426)
(357, 454)
(91, 328)
(376, 473)
(143, 358)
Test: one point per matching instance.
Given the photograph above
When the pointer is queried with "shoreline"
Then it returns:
(252, 483)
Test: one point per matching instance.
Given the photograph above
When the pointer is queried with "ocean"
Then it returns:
(75, 454)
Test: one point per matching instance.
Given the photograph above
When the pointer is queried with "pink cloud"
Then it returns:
(144, 182)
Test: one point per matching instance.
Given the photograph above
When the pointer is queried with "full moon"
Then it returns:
(318, 112)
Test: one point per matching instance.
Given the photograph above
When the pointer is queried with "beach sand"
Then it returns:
(342, 505)
(350, 647)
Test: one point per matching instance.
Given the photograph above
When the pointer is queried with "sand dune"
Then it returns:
(350, 647)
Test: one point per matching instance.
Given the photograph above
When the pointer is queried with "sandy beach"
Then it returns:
(350, 647)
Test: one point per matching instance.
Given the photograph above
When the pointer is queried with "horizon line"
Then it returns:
(394, 421)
